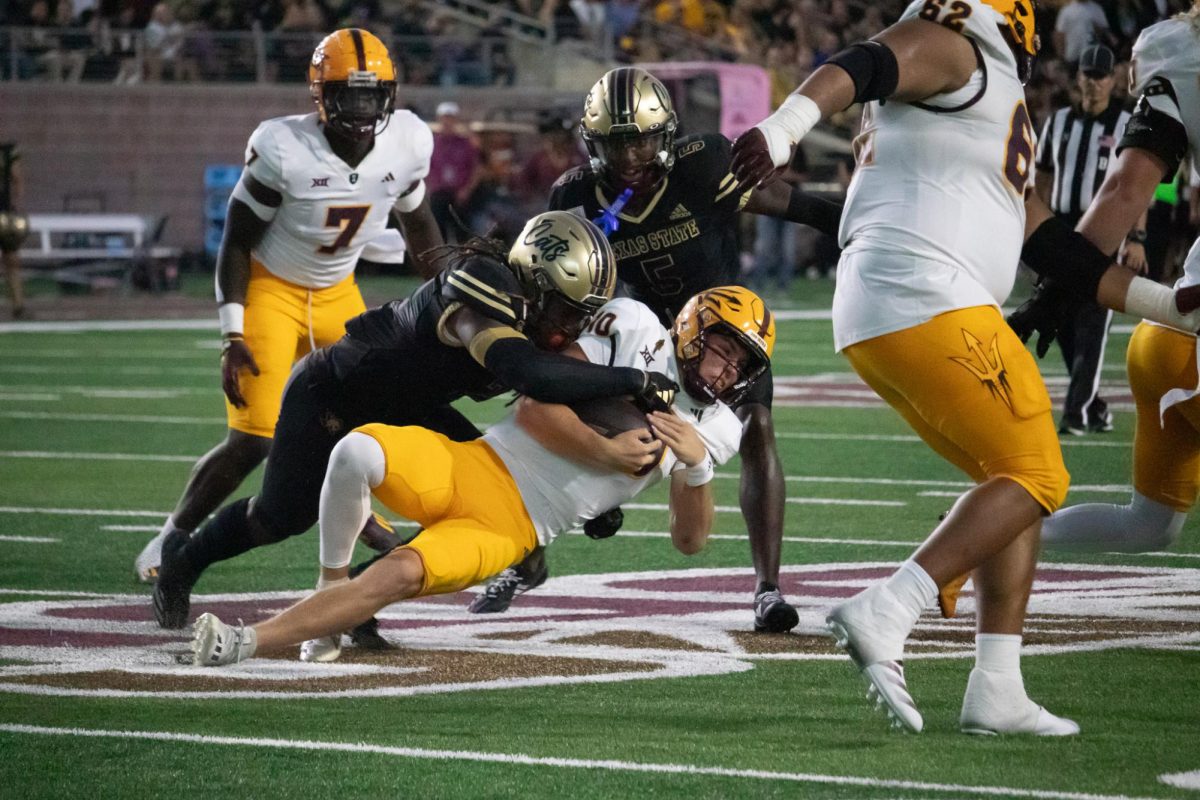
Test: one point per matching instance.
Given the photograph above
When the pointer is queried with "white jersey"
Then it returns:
(331, 210)
(560, 494)
(935, 216)
(1169, 52)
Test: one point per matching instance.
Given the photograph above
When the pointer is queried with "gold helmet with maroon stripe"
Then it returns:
(568, 271)
(1020, 29)
(353, 82)
(732, 310)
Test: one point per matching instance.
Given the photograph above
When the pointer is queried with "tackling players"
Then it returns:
(532, 476)
(489, 322)
(315, 190)
(672, 206)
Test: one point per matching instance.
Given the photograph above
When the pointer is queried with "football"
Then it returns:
(610, 416)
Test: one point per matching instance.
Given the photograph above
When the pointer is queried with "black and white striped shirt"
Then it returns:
(1079, 150)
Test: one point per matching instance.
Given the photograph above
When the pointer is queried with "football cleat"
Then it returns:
(322, 650)
(947, 598)
(996, 704)
(499, 592)
(146, 565)
(215, 644)
(367, 636)
(871, 628)
(773, 614)
(173, 589)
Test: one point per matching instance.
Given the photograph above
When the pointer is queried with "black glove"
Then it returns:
(657, 393)
(1050, 308)
(604, 525)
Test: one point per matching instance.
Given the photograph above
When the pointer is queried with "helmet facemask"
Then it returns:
(638, 161)
(694, 353)
(629, 126)
(358, 112)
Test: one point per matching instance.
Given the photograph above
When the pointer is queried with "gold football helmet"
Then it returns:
(353, 82)
(629, 109)
(1020, 30)
(568, 270)
(736, 312)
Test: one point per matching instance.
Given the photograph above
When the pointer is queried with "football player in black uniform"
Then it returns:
(487, 323)
(670, 209)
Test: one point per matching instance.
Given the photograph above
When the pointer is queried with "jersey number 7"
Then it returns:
(349, 219)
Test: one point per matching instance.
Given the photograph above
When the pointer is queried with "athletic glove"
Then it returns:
(658, 392)
(605, 525)
(1049, 309)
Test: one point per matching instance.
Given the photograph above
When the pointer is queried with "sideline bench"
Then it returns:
(85, 247)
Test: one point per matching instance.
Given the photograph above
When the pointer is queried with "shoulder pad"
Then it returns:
(488, 287)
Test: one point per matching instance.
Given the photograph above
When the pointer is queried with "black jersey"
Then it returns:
(685, 240)
(398, 362)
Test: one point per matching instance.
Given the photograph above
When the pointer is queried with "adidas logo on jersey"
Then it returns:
(680, 212)
(389, 177)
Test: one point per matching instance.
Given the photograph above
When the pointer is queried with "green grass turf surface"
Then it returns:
(79, 413)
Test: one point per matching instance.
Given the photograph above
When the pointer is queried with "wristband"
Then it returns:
(788, 125)
(700, 474)
(1155, 302)
(1136, 237)
(232, 316)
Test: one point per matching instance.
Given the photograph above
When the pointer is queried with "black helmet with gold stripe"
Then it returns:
(629, 128)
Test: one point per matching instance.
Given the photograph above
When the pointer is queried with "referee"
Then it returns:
(1075, 152)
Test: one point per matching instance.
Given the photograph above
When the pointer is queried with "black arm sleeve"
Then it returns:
(1156, 131)
(552, 378)
(1057, 252)
(816, 212)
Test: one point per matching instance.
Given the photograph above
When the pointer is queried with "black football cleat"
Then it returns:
(773, 614)
(173, 589)
(368, 637)
(499, 593)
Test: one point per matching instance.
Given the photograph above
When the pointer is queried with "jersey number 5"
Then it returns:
(349, 219)
(1018, 150)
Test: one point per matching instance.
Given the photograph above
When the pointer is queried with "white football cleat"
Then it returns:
(215, 644)
(146, 565)
(871, 627)
(322, 650)
(996, 703)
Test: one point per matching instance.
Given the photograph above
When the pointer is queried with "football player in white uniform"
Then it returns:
(532, 476)
(316, 189)
(1161, 360)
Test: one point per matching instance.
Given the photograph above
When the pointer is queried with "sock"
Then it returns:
(323, 584)
(913, 587)
(999, 653)
(169, 527)
(249, 644)
(224, 536)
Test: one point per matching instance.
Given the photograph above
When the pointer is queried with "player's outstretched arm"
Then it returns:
(912, 60)
(544, 376)
(781, 200)
(691, 493)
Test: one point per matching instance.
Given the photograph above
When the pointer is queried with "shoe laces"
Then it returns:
(503, 583)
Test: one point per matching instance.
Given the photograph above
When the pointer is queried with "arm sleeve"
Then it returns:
(552, 378)
(422, 144)
(1156, 125)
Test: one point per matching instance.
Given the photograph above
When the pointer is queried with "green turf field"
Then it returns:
(632, 673)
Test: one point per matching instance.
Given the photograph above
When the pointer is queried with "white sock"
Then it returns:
(913, 587)
(169, 527)
(998, 653)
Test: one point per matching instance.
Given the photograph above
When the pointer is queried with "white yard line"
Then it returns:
(904, 437)
(78, 512)
(49, 454)
(53, 416)
(520, 759)
(1182, 780)
(29, 539)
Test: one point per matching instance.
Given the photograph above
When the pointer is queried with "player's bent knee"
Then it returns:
(1156, 526)
(398, 576)
(355, 460)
